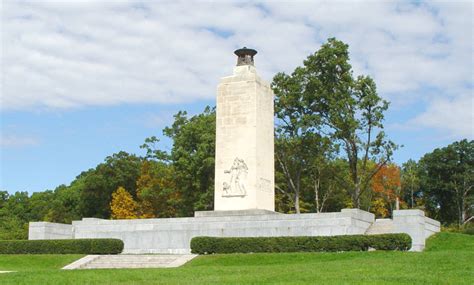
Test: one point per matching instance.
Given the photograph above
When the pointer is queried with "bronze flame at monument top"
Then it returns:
(245, 56)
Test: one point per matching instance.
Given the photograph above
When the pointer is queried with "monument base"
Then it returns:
(173, 235)
(249, 212)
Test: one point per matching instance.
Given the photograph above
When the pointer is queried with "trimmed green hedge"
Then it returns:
(211, 245)
(389, 241)
(62, 246)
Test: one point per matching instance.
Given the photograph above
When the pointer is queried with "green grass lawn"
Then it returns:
(448, 259)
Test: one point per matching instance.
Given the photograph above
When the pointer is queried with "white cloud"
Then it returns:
(7, 141)
(455, 116)
(63, 55)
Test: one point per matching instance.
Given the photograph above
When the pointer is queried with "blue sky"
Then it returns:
(82, 80)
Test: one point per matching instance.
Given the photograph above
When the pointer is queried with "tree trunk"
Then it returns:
(460, 211)
(297, 202)
(459, 202)
(356, 198)
(325, 198)
(292, 185)
(316, 192)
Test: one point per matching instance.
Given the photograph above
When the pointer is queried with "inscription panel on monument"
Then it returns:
(265, 185)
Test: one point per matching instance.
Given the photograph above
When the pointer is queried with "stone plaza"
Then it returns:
(244, 197)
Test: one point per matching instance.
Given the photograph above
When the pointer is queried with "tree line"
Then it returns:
(331, 152)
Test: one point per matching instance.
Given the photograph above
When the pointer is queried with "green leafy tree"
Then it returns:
(3, 198)
(298, 141)
(347, 109)
(15, 214)
(12, 228)
(192, 157)
(17, 205)
(411, 183)
(328, 180)
(119, 170)
(447, 181)
(156, 190)
(39, 204)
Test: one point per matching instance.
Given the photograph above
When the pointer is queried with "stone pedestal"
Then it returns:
(251, 212)
(244, 173)
(414, 223)
(46, 230)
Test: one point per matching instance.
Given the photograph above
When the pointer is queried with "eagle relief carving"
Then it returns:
(235, 187)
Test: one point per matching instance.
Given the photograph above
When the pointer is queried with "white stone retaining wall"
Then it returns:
(173, 235)
(431, 227)
(46, 230)
(414, 223)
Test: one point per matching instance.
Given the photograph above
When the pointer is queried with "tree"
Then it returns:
(462, 180)
(292, 157)
(386, 187)
(192, 157)
(12, 228)
(300, 150)
(156, 190)
(119, 170)
(17, 205)
(122, 205)
(447, 179)
(347, 109)
(328, 181)
(15, 214)
(3, 198)
(410, 182)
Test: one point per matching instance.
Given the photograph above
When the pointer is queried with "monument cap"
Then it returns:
(245, 56)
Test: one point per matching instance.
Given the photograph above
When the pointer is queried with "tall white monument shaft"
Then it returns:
(244, 177)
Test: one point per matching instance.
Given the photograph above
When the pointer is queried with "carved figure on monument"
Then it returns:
(238, 176)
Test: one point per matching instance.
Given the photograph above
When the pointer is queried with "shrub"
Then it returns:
(468, 229)
(464, 229)
(453, 228)
(211, 245)
(62, 246)
(389, 241)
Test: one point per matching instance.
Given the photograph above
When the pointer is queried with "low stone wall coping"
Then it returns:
(50, 225)
(432, 222)
(250, 212)
(411, 212)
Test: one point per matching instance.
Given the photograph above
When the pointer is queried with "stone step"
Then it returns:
(99, 262)
(380, 226)
(130, 261)
(120, 257)
(124, 265)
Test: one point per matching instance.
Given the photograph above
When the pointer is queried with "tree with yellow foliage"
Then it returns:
(123, 206)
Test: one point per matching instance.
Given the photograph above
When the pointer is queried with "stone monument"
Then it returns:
(244, 171)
